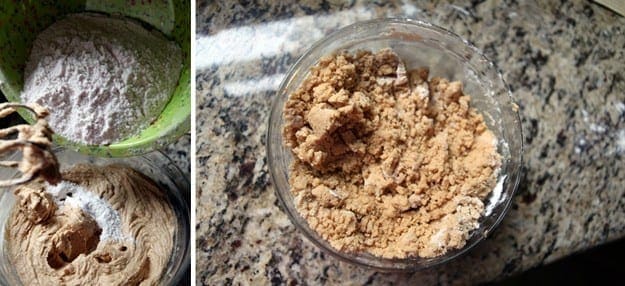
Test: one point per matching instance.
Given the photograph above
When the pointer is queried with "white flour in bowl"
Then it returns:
(108, 219)
(104, 79)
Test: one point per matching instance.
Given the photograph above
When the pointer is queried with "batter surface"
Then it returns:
(53, 242)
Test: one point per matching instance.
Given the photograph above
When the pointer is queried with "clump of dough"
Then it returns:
(387, 161)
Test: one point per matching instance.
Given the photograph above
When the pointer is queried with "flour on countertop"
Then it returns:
(103, 79)
(71, 195)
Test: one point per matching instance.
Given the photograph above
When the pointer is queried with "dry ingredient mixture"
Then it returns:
(387, 161)
(103, 78)
(90, 225)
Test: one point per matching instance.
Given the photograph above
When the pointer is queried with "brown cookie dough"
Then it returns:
(52, 244)
(387, 161)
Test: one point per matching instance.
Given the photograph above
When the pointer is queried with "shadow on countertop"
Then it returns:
(598, 266)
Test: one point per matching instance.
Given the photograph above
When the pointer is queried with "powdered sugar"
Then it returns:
(103, 79)
(69, 194)
(497, 196)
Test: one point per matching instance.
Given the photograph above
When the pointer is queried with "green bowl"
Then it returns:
(22, 21)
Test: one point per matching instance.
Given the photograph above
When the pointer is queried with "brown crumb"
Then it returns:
(387, 161)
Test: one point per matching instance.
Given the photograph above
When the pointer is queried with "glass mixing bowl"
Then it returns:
(155, 165)
(447, 55)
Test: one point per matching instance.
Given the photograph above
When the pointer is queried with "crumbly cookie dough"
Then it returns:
(387, 161)
(50, 244)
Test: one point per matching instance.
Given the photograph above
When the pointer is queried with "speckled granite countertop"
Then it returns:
(564, 65)
(179, 153)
